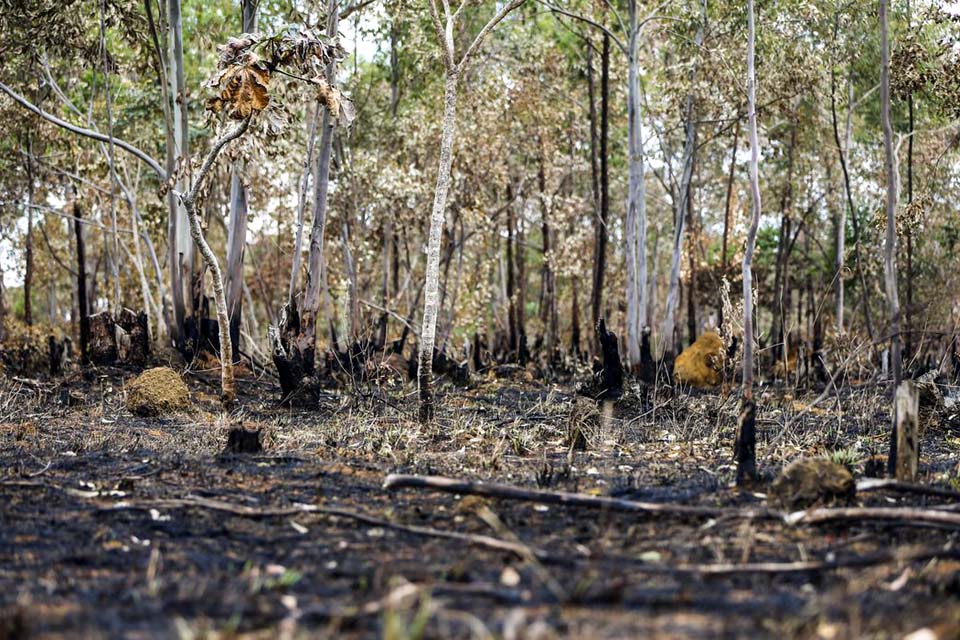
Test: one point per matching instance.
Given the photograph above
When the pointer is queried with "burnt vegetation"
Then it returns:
(482, 320)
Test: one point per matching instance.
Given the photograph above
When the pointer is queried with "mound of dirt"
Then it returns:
(157, 391)
(809, 481)
(701, 363)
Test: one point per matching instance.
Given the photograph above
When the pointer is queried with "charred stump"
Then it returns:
(103, 340)
(294, 355)
(648, 367)
(479, 345)
(745, 447)
(610, 372)
(55, 349)
(243, 440)
(133, 337)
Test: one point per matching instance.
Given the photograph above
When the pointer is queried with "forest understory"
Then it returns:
(115, 525)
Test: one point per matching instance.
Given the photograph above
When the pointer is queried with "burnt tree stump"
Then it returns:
(103, 339)
(133, 337)
(745, 447)
(610, 374)
(243, 440)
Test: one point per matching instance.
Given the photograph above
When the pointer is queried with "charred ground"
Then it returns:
(116, 525)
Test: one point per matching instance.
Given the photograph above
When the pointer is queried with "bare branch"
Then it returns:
(441, 35)
(224, 140)
(356, 6)
(507, 8)
(88, 133)
(576, 16)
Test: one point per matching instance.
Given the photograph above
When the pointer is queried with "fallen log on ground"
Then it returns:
(889, 484)
(510, 492)
(245, 511)
(903, 516)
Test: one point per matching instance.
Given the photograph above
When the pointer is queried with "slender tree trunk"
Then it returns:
(82, 299)
(181, 251)
(236, 244)
(890, 166)
(600, 244)
(445, 31)
(780, 308)
(228, 390)
(520, 255)
(431, 289)
(295, 339)
(636, 218)
(575, 317)
(864, 295)
(841, 226)
(115, 234)
(755, 219)
(513, 332)
(594, 176)
(301, 207)
(548, 302)
(28, 272)
(692, 241)
(908, 231)
(724, 262)
(745, 447)
(689, 147)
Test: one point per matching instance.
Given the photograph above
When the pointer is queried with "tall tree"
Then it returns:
(746, 430)
(454, 67)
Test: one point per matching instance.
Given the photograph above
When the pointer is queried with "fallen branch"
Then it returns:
(244, 511)
(510, 492)
(904, 516)
(869, 560)
(889, 484)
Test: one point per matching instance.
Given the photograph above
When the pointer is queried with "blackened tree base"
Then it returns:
(745, 448)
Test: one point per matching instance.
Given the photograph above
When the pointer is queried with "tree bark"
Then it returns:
(636, 218)
(82, 300)
(890, 166)
(431, 288)
(745, 446)
(755, 219)
(228, 389)
(726, 220)
(181, 250)
(864, 296)
(600, 242)
(689, 148)
(28, 271)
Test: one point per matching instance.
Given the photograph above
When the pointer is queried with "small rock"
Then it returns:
(806, 482)
(156, 392)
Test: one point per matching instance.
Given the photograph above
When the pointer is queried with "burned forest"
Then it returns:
(481, 319)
